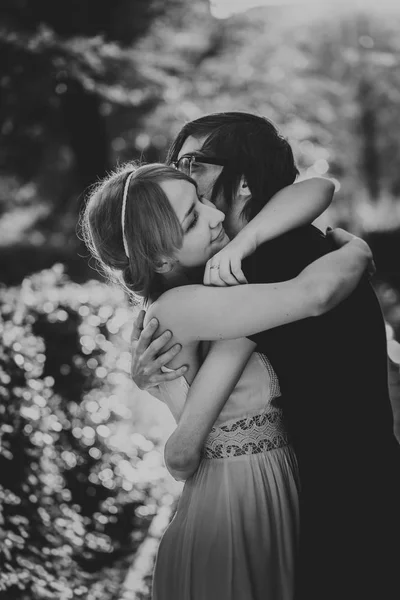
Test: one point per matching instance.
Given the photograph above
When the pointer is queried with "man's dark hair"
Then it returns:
(253, 147)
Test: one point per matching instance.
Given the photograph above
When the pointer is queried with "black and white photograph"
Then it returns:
(200, 300)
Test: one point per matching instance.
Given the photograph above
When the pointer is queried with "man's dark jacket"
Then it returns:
(332, 371)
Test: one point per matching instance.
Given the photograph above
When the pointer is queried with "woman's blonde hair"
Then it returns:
(151, 227)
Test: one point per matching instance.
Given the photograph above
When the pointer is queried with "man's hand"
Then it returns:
(340, 237)
(146, 358)
(225, 267)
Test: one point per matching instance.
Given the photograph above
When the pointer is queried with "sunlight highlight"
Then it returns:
(222, 9)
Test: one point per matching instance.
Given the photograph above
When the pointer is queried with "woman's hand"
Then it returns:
(225, 267)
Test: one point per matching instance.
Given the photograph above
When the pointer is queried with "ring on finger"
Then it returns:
(214, 267)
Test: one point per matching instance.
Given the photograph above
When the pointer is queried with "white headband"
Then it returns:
(126, 188)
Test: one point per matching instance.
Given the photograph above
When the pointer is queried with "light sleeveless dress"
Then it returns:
(235, 532)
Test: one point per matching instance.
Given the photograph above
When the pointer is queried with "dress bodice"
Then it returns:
(257, 386)
(249, 422)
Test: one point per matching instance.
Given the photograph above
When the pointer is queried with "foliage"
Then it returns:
(78, 486)
(85, 84)
(80, 95)
(75, 87)
(329, 81)
(64, 70)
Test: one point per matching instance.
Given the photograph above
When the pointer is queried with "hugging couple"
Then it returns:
(266, 340)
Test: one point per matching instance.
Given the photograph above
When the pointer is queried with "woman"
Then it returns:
(235, 531)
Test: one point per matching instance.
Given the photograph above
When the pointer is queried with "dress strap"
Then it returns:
(181, 379)
(275, 387)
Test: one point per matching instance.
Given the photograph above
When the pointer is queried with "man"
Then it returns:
(332, 372)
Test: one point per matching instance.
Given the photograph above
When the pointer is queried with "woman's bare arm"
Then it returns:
(197, 312)
(293, 206)
(209, 391)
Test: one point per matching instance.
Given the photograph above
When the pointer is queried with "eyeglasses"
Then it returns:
(186, 162)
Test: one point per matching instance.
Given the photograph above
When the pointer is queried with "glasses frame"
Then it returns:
(193, 158)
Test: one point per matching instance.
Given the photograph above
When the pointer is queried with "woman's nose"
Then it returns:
(216, 216)
(207, 202)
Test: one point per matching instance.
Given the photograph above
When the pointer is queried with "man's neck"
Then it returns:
(185, 277)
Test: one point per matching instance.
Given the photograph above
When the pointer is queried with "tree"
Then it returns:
(329, 82)
(64, 68)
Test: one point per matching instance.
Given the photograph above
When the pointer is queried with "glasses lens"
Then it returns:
(183, 164)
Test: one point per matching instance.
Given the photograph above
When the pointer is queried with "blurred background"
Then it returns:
(87, 84)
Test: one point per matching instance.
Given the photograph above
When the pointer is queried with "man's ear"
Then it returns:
(244, 189)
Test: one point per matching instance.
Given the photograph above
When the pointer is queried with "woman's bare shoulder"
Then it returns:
(173, 304)
(167, 311)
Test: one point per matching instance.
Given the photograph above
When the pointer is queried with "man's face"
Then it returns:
(205, 176)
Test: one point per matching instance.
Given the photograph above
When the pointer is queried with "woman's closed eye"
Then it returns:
(194, 220)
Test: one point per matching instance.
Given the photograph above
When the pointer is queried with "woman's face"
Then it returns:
(203, 233)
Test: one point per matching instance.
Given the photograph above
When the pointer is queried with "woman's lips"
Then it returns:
(219, 236)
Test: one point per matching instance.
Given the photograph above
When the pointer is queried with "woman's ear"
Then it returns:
(165, 265)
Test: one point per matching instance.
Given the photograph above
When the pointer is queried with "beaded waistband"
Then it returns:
(249, 435)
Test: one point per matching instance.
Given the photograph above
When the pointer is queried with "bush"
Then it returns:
(76, 491)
